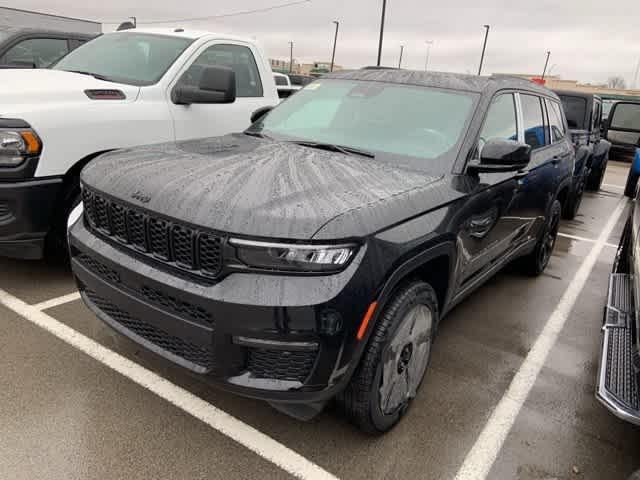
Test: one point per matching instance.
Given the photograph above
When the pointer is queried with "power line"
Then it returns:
(222, 15)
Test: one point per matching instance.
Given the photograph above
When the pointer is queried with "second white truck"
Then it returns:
(119, 90)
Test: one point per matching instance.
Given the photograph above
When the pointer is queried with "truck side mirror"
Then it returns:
(217, 85)
(259, 113)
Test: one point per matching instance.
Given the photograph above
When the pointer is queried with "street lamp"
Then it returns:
(545, 65)
(291, 58)
(484, 48)
(335, 41)
(384, 11)
(426, 62)
(400, 61)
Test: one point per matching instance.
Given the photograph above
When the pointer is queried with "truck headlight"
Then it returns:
(17, 145)
(293, 257)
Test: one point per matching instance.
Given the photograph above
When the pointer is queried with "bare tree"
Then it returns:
(616, 82)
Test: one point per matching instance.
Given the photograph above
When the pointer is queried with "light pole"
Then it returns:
(484, 47)
(545, 65)
(400, 61)
(635, 77)
(384, 11)
(426, 62)
(291, 58)
(335, 41)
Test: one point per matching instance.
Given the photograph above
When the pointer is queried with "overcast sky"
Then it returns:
(589, 40)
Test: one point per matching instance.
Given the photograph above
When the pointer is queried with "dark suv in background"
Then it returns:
(30, 48)
(584, 116)
(313, 255)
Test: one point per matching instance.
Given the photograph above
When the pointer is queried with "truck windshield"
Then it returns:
(393, 121)
(131, 58)
(575, 108)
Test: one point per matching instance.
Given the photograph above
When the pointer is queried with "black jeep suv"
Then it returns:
(584, 116)
(312, 256)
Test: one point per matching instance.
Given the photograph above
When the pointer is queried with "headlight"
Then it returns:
(17, 145)
(293, 257)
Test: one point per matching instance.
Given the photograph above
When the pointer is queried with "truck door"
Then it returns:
(624, 125)
(209, 120)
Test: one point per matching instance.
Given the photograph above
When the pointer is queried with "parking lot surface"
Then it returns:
(69, 409)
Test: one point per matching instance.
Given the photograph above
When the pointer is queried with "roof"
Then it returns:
(14, 31)
(178, 31)
(573, 93)
(454, 81)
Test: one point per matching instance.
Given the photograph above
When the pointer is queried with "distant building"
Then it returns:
(13, 17)
(554, 82)
(282, 66)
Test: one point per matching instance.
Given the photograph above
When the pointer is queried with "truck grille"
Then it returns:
(200, 357)
(173, 244)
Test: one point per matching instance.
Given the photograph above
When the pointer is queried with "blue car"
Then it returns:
(634, 174)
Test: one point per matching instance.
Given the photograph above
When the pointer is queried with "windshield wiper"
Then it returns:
(332, 147)
(91, 74)
(257, 134)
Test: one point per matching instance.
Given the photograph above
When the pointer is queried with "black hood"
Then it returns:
(250, 186)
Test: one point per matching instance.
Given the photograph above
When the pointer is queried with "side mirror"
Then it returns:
(499, 155)
(217, 85)
(259, 113)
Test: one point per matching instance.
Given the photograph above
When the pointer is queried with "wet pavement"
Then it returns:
(65, 415)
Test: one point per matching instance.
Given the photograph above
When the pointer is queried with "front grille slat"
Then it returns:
(171, 243)
(280, 364)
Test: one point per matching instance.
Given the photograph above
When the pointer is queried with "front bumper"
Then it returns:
(618, 379)
(26, 213)
(273, 337)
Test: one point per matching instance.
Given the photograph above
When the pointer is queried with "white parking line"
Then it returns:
(55, 302)
(484, 452)
(244, 434)
(584, 239)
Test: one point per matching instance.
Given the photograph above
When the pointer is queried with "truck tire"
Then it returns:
(631, 185)
(394, 362)
(572, 205)
(536, 262)
(594, 181)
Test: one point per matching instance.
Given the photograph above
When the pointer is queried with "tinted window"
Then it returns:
(42, 52)
(556, 123)
(626, 115)
(132, 58)
(236, 57)
(366, 115)
(532, 118)
(500, 121)
(596, 120)
(281, 81)
(575, 108)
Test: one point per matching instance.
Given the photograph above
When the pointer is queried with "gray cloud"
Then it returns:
(590, 40)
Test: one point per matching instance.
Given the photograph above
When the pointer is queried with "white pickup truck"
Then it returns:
(119, 90)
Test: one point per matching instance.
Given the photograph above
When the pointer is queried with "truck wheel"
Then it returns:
(57, 247)
(535, 263)
(631, 185)
(595, 178)
(395, 360)
(572, 205)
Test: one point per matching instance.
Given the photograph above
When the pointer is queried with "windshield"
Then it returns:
(392, 121)
(575, 108)
(131, 58)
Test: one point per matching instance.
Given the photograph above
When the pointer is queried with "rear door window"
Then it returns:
(533, 121)
(626, 116)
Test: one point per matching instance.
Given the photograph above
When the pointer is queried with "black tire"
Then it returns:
(596, 177)
(535, 263)
(631, 185)
(398, 344)
(572, 205)
(57, 247)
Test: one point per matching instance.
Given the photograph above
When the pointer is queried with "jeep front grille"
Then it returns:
(169, 243)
